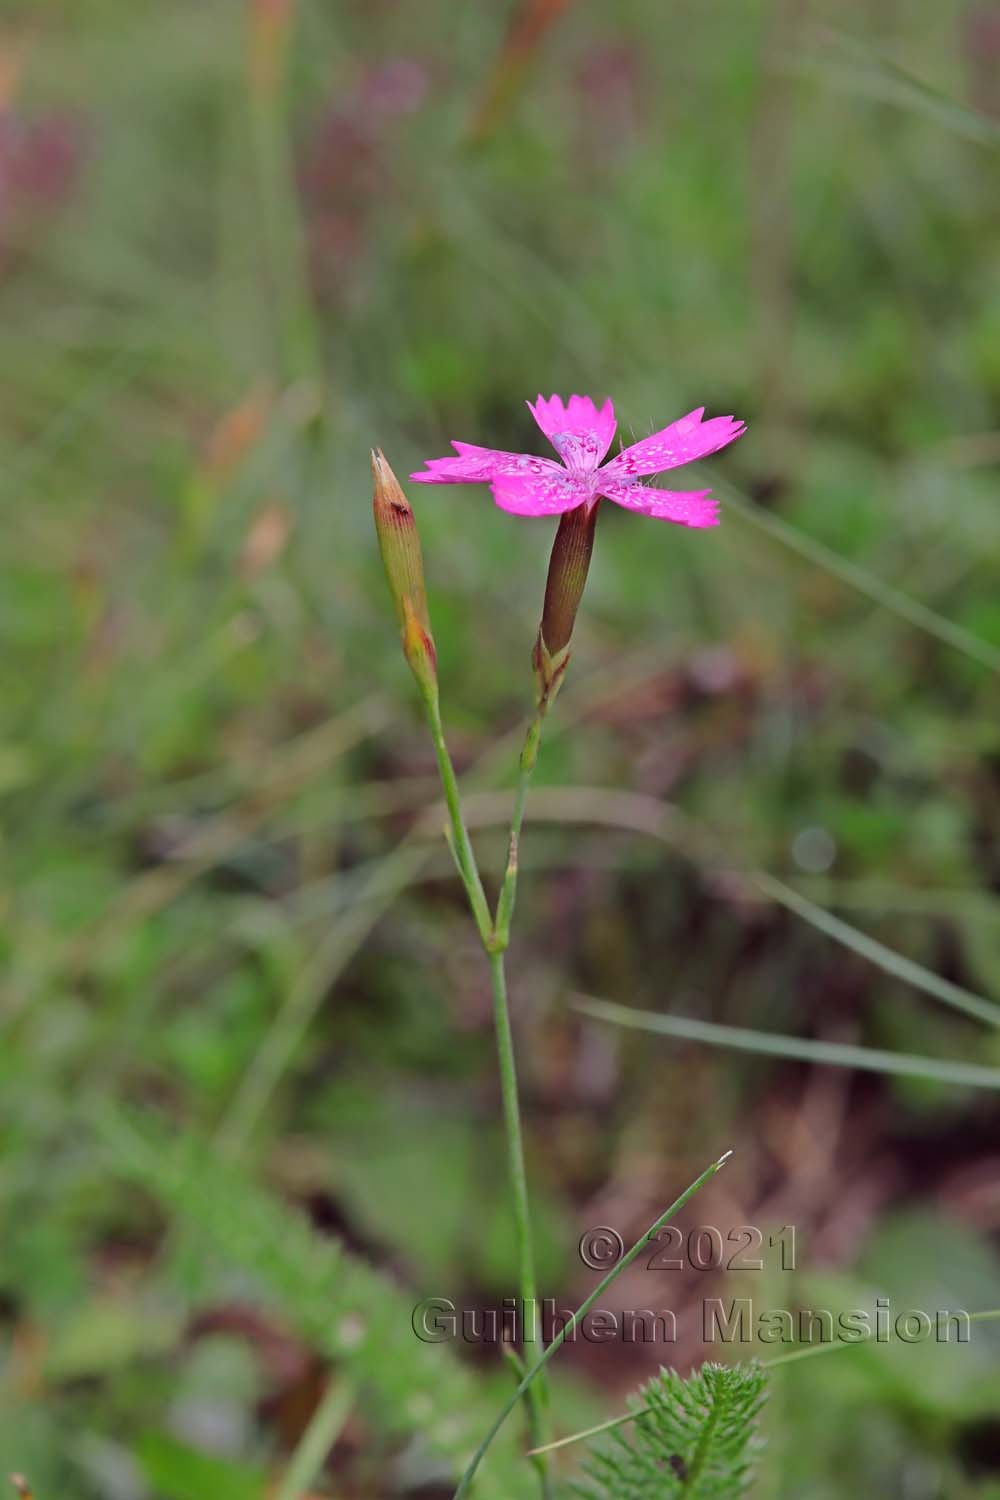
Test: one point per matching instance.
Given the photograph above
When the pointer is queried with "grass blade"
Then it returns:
(637, 812)
(808, 1352)
(581, 1312)
(852, 65)
(832, 1054)
(324, 1428)
(892, 599)
(875, 952)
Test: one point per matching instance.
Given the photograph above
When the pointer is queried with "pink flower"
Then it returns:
(581, 434)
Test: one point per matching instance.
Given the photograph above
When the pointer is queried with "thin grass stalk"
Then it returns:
(571, 1323)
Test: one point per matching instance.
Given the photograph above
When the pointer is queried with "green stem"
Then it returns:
(461, 844)
(535, 1400)
(700, 1454)
(461, 847)
(526, 765)
(324, 1428)
(571, 1323)
(282, 229)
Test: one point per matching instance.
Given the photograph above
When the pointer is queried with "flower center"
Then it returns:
(579, 451)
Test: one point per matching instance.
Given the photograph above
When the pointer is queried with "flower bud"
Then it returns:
(568, 568)
(399, 544)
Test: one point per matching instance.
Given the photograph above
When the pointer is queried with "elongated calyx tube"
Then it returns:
(569, 565)
(399, 544)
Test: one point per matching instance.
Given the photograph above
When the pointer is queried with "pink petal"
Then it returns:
(680, 443)
(579, 431)
(478, 465)
(539, 494)
(686, 507)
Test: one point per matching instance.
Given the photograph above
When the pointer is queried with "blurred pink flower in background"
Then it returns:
(981, 46)
(346, 164)
(581, 433)
(40, 161)
(611, 94)
(392, 90)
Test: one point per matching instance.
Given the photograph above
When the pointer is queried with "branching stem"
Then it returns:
(494, 934)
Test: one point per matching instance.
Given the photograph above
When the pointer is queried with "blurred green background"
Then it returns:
(248, 1093)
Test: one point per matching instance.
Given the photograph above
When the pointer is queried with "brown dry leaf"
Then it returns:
(265, 540)
(13, 49)
(270, 31)
(237, 432)
(531, 20)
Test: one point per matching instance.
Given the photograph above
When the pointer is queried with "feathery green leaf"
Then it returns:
(695, 1439)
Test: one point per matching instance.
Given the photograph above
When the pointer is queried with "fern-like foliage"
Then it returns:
(349, 1312)
(696, 1440)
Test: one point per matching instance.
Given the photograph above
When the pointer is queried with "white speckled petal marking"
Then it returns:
(581, 433)
(579, 418)
(686, 507)
(479, 465)
(539, 495)
(680, 443)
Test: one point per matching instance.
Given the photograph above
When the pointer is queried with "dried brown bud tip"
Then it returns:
(399, 544)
